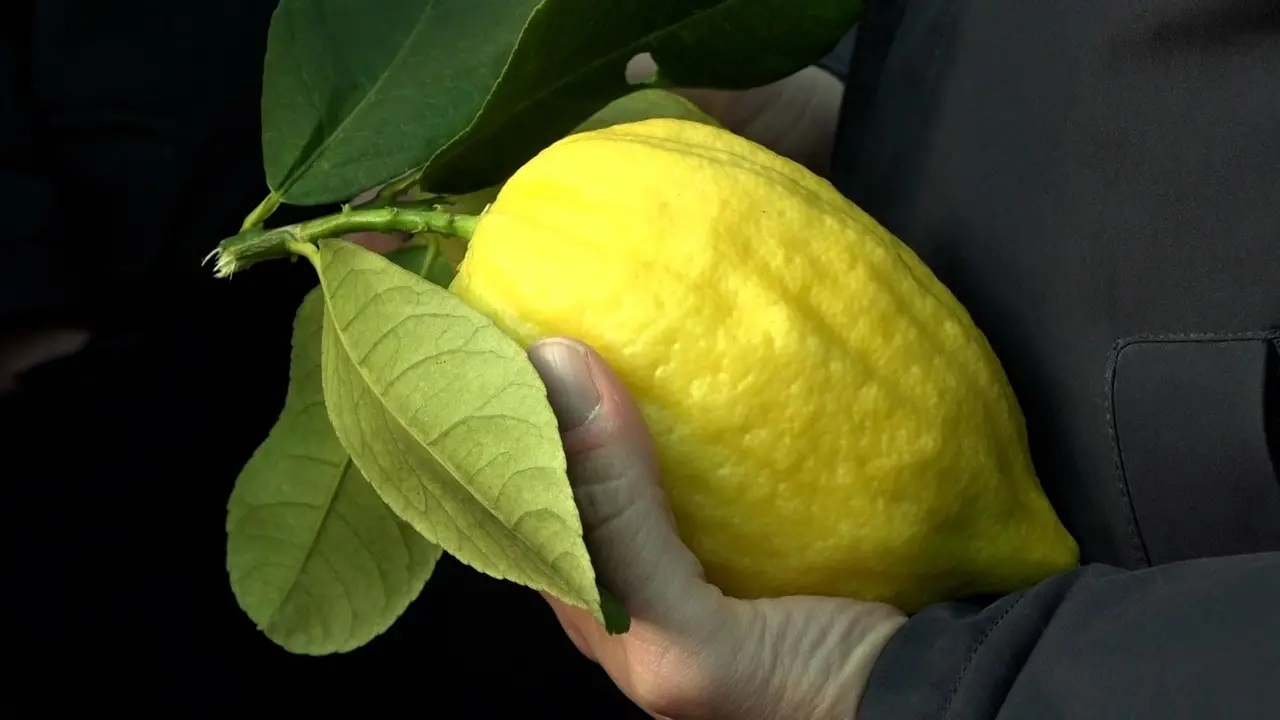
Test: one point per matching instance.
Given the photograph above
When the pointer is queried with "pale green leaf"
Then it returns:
(450, 422)
(316, 559)
(426, 258)
(642, 105)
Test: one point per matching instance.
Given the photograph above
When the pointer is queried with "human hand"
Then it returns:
(795, 117)
(22, 350)
(691, 652)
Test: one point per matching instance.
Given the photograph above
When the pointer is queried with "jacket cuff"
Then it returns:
(922, 672)
(837, 61)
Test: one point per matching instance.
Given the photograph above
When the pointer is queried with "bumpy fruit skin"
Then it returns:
(829, 419)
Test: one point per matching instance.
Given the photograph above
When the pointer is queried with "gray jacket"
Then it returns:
(1099, 183)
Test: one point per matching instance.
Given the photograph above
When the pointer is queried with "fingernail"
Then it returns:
(571, 388)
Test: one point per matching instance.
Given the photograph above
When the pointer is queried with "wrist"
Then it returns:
(813, 655)
(875, 625)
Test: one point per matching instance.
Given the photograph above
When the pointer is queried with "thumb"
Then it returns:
(628, 527)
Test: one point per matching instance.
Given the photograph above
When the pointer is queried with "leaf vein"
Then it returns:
(301, 172)
(547, 573)
(448, 151)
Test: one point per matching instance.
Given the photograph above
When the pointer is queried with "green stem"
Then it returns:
(262, 212)
(254, 245)
(433, 249)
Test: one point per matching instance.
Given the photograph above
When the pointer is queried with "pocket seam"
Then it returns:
(1139, 546)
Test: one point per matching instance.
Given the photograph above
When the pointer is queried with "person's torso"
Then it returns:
(1099, 183)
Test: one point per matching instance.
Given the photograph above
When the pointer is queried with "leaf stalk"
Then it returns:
(260, 214)
(391, 192)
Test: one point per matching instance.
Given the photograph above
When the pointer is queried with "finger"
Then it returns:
(381, 243)
(365, 196)
(798, 117)
(648, 667)
(613, 467)
(578, 625)
(795, 116)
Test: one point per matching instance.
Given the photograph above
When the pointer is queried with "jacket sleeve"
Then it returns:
(1197, 639)
(39, 283)
(838, 61)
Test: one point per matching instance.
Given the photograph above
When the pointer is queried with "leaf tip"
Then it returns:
(616, 619)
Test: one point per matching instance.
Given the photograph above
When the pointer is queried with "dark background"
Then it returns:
(130, 142)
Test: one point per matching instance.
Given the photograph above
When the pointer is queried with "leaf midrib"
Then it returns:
(373, 89)
(566, 79)
(447, 149)
(448, 467)
(315, 540)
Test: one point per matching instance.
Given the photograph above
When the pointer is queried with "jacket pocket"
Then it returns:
(1197, 441)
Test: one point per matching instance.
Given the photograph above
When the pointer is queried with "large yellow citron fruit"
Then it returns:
(828, 418)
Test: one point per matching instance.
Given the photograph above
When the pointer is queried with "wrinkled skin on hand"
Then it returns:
(691, 652)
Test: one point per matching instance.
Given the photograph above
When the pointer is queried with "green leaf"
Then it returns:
(572, 56)
(642, 105)
(747, 43)
(316, 559)
(426, 259)
(616, 619)
(356, 94)
(450, 423)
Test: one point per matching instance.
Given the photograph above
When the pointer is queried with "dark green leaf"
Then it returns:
(616, 619)
(358, 93)
(316, 559)
(572, 57)
(450, 422)
(748, 43)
